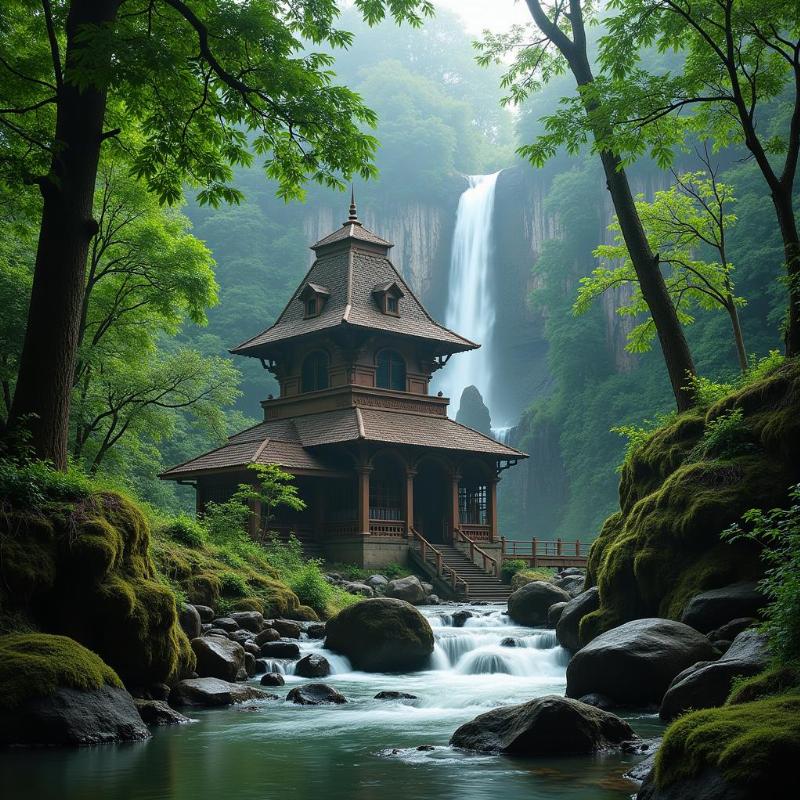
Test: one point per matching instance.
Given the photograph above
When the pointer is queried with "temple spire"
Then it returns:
(352, 218)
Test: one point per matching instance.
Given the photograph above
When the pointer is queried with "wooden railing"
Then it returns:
(478, 533)
(380, 527)
(343, 528)
(443, 571)
(490, 565)
(546, 552)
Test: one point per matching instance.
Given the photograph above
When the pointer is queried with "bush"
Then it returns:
(233, 584)
(311, 588)
(510, 568)
(186, 530)
(33, 485)
(724, 437)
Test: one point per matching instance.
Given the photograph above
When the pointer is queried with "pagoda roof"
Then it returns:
(300, 442)
(351, 263)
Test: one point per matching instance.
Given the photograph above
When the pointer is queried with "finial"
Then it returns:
(352, 219)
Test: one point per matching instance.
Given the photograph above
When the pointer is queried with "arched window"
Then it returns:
(391, 373)
(315, 371)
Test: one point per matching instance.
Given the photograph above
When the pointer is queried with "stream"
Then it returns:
(364, 750)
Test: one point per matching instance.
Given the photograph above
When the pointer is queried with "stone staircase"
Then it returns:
(481, 585)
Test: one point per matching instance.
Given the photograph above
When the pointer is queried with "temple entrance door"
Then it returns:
(431, 495)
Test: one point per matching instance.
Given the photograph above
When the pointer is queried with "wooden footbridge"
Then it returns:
(546, 552)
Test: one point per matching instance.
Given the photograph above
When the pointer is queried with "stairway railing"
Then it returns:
(490, 565)
(443, 570)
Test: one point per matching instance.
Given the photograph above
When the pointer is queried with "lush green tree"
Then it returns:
(179, 85)
(555, 43)
(680, 222)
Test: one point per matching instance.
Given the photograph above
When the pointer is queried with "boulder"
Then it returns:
(313, 666)
(249, 620)
(250, 665)
(409, 589)
(381, 634)
(426, 587)
(218, 657)
(710, 784)
(432, 600)
(571, 584)
(261, 666)
(241, 636)
(530, 603)
(570, 619)
(315, 694)
(287, 628)
(251, 647)
(377, 581)
(598, 701)
(730, 630)
(549, 725)
(316, 630)
(73, 717)
(157, 712)
(280, 650)
(189, 620)
(267, 635)
(554, 613)
(228, 624)
(571, 571)
(206, 613)
(708, 684)
(709, 610)
(272, 679)
(460, 617)
(358, 588)
(390, 695)
(212, 631)
(634, 663)
(211, 692)
(509, 641)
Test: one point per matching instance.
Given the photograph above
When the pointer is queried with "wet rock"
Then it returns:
(708, 684)
(213, 692)
(426, 587)
(432, 600)
(554, 613)
(227, 624)
(709, 610)
(359, 588)
(530, 603)
(157, 712)
(73, 717)
(241, 636)
(509, 641)
(249, 620)
(549, 725)
(272, 679)
(315, 694)
(708, 785)
(313, 666)
(280, 650)
(572, 571)
(730, 630)
(460, 617)
(634, 663)
(570, 619)
(571, 584)
(598, 701)
(206, 613)
(381, 634)
(261, 666)
(377, 581)
(212, 631)
(251, 647)
(267, 635)
(287, 628)
(425, 748)
(391, 695)
(316, 630)
(190, 621)
(641, 770)
(409, 589)
(218, 657)
(249, 664)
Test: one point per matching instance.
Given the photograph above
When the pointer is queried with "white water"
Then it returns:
(470, 307)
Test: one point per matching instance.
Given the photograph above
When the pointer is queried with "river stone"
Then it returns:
(554, 613)
(157, 712)
(313, 666)
(287, 628)
(549, 725)
(228, 624)
(530, 603)
(409, 589)
(634, 663)
(708, 684)
(377, 581)
(571, 584)
(509, 641)
(249, 664)
(249, 620)
(212, 631)
(316, 630)
(460, 617)
(280, 650)
(73, 717)
(570, 619)
(241, 636)
(598, 701)
(267, 635)
(206, 613)
(315, 694)
(210, 692)
(251, 647)
(381, 634)
(218, 657)
(390, 695)
(710, 784)
(432, 600)
(730, 630)
(272, 679)
(361, 589)
(189, 620)
(709, 610)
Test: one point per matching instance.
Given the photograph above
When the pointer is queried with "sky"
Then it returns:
(496, 15)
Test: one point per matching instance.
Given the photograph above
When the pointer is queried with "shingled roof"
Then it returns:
(299, 442)
(350, 272)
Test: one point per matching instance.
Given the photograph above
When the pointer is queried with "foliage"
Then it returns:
(638, 436)
(778, 531)
(34, 484)
(510, 568)
(526, 575)
(725, 436)
(274, 489)
(186, 530)
(37, 664)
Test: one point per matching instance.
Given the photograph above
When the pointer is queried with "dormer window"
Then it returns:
(387, 296)
(313, 296)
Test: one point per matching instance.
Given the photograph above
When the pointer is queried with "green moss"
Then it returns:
(775, 680)
(36, 664)
(526, 576)
(753, 744)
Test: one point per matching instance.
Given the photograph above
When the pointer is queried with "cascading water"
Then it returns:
(470, 306)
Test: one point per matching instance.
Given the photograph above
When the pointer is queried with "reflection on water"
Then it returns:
(364, 749)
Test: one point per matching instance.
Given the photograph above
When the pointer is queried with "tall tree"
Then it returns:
(740, 78)
(562, 44)
(179, 84)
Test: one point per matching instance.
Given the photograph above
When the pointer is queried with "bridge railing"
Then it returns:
(434, 558)
(546, 552)
(490, 565)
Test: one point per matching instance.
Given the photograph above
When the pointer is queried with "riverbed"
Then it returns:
(363, 750)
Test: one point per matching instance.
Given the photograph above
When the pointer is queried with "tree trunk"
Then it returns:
(791, 249)
(736, 324)
(42, 396)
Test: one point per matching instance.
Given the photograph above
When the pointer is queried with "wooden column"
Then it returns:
(363, 498)
(254, 520)
(455, 521)
(318, 511)
(493, 532)
(410, 475)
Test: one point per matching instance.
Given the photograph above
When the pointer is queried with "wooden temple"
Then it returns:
(374, 455)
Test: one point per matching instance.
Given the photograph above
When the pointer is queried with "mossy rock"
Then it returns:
(36, 664)
(775, 680)
(754, 746)
(664, 544)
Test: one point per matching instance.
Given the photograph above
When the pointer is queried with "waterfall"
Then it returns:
(470, 306)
